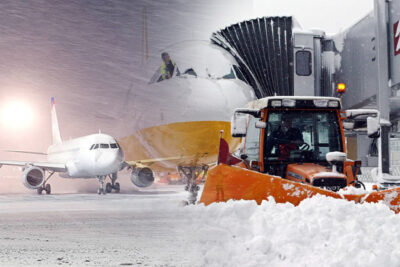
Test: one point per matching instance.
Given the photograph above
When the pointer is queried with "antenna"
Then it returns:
(145, 39)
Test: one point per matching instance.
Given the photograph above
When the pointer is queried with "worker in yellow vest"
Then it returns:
(168, 67)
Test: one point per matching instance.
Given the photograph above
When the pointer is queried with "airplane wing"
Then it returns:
(50, 166)
(26, 152)
(148, 162)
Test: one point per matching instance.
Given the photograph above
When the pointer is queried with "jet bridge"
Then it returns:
(277, 57)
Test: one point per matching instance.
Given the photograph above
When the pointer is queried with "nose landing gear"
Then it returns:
(101, 190)
(190, 175)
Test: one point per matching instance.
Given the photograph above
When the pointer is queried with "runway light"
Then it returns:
(16, 115)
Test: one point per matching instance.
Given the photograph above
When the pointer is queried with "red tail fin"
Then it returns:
(223, 154)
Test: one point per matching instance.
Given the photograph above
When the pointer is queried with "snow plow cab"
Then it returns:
(292, 149)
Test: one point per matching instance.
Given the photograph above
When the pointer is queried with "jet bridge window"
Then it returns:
(303, 63)
(104, 146)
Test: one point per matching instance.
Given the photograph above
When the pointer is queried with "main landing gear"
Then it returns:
(109, 186)
(45, 187)
(190, 175)
(113, 185)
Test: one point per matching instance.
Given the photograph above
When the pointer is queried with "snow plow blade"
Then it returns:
(229, 182)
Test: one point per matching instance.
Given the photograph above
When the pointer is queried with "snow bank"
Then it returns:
(319, 232)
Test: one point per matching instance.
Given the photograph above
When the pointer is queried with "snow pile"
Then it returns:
(319, 232)
(351, 190)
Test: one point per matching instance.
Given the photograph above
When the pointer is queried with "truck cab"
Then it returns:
(296, 138)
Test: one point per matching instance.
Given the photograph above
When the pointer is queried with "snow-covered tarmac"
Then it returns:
(143, 229)
(151, 228)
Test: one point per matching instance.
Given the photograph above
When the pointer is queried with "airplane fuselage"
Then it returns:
(180, 120)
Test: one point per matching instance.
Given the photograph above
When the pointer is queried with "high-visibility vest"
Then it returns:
(164, 69)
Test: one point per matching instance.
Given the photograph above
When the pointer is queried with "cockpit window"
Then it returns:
(104, 146)
(114, 145)
(91, 147)
(96, 146)
(239, 73)
(190, 71)
(230, 75)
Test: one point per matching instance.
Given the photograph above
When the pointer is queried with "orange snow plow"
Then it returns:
(231, 182)
(293, 149)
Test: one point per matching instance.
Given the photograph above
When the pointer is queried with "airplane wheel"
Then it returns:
(47, 188)
(39, 190)
(117, 187)
(108, 188)
(100, 191)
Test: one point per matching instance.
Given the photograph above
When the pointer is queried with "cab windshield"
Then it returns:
(301, 135)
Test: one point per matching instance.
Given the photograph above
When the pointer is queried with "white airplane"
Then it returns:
(92, 156)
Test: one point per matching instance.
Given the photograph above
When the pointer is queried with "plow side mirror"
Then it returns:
(373, 127)
(348, 124)
(261, 125)
(239, 124)
(253, 112)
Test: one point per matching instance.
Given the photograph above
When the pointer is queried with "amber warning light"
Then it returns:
(341, 88)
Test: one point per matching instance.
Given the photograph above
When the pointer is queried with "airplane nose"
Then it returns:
(109, 159)
(120, 156)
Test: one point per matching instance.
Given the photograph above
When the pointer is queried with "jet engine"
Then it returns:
(142, 177)
(33, 177)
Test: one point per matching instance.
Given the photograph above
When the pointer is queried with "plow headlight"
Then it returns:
(333, 104)
(288, 102)
(276, 103)
(321, 103)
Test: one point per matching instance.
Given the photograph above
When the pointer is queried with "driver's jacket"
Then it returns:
(278, 137)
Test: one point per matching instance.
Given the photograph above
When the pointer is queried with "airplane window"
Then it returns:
(96, 146)
(91, 147)
(104, 146)
(239, 74)
(156, 76)
(230, 75)
(190, 72)
(114, 145)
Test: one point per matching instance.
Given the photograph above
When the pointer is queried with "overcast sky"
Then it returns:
(328, 15)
